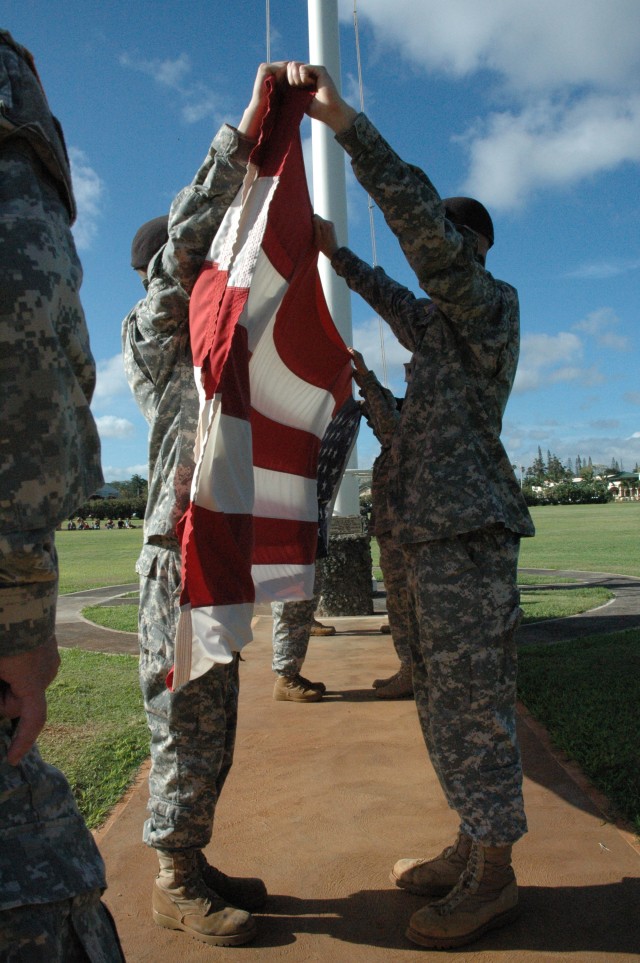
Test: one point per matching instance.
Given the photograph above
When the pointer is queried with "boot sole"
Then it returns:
(433, 892)
(231, 939)
(451, 942)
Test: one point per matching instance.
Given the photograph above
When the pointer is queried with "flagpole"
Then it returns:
(330, 201)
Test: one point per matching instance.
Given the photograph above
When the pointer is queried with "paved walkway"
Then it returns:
(323, 798)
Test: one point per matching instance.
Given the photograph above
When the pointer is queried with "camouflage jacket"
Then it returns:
(383, 416)
(155, 335)
(450, 473)
(25, 115)
(49, 447)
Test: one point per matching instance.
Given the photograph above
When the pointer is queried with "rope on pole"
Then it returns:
(268, 15)
(370, 205)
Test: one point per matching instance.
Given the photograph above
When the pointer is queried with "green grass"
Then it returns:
(123, 618)
(96, 730)
(585, 538)
(93, 559)
(586, 693)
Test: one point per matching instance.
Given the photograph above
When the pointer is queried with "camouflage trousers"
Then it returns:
(51, 873)
(292, 622)
(193, 730)
(78, 930)
(463, 611)
(394, 576)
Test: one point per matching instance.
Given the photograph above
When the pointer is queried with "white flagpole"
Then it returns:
(330, 201)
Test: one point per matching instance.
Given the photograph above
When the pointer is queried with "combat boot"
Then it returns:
(318, 629)
(399, 686)
(182, 901)
(433, 877)
(378, 683)
(245, 892)
(297, 689)
(484, 898)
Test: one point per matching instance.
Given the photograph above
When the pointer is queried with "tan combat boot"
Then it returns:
(399, 686)
(484, 898)
(245, 892)
(182, 901)
(318, 629)
(433, 877)
(297, 689)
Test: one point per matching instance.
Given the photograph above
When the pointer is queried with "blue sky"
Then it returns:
(534, 108)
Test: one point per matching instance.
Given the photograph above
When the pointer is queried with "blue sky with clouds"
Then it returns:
(534, 108)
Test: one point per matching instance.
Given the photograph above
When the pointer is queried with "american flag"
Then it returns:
(271, 371)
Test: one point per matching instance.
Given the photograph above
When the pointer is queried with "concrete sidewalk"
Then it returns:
(323, 798)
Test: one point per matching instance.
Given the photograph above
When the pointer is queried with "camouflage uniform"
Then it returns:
(292, 622)
(456, 506)
(382, 412)
(51, 873)
(192, 729)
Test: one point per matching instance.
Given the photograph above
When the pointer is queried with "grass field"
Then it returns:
(586, 693)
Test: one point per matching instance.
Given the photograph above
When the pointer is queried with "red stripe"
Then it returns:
(281, 448)
(216, 551)
(305, 336)
(204, 306)
(284, 540)
(234, 380)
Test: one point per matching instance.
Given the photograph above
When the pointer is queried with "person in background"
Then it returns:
(382, 411)
(51, 873)
(458, 511)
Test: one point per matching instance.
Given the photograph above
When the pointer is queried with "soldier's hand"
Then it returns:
(327, 105)
(23, 697)
(324, 236)
(257, 106)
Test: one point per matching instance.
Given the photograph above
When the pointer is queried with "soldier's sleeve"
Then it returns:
(155, 330)
(398, 306)
(28, 591)
(381, 408)
(443, 258)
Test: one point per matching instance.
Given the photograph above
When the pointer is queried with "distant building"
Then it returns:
(107, 491)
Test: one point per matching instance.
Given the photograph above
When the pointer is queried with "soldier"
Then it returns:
(458, 512)
(383, 414)
(51, 873)
(192, 729)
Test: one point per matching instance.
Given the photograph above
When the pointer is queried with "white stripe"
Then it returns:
(265, 297)
(223, 481)
(251, 228)
(295, 403)
(218, 632)
(283, 582)
(279, 494)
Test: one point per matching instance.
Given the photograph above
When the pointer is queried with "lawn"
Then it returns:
(586, 693)
(96, 558)
(96, 730)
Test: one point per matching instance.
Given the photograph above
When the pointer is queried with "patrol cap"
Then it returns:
(465, 211)
(148, 240)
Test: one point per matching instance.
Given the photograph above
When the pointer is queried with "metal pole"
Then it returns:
(330, 201)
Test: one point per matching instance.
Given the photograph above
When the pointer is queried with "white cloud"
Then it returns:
(109, 426)
(546, 358)
(600, 324)
(119, 473)
(551, 144)
(569, 72)
(601, 270)
(541, 45)
(89, 191)
(111, 379)
(196, 99)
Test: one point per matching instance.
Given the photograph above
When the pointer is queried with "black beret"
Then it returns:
(148, 240)
(465, 211)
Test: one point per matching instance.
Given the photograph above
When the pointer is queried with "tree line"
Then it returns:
(550, 482)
